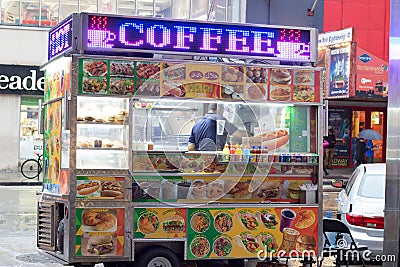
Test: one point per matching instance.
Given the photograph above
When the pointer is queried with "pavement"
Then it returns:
(16, 178)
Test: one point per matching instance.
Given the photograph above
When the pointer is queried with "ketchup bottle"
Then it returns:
(258, 154)
(232, 151)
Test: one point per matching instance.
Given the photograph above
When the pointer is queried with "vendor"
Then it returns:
(204, 133)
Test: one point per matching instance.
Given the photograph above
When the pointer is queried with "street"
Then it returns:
(18, 227)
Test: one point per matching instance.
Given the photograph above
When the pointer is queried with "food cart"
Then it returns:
(119, 184)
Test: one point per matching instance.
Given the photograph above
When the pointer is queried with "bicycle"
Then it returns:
(31, 168)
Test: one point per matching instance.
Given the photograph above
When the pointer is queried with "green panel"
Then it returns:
(30, 101)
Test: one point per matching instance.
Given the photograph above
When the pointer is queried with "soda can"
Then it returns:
(282, 157)
(298, 158)
(304, 157)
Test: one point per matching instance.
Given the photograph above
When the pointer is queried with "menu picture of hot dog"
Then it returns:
(111, 189)
(274, 139)
(85, 188)
(99, 221)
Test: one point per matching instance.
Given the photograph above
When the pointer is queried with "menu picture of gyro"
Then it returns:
(160, 222)
(100, 231)
(248, 232)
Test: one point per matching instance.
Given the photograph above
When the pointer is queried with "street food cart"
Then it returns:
(122, 95)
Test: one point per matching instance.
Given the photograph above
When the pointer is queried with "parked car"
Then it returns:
(361, 203)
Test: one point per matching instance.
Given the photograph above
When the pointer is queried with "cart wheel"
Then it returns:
(157, 256)
(236, 263)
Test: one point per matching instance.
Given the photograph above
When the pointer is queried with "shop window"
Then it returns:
(199, 10)
(30, 13)
(108, 6)
(163, 8)
(126, 7)
(181, 9)
(234, 9)
(69, 7)
(49, 13)
(218, 10)
(145, 7)
(31, 141)
(10, 13)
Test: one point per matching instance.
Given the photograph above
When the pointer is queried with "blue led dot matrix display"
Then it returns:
(125, 34)
(60, 39)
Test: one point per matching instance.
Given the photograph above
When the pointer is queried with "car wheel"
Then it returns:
(157, 256)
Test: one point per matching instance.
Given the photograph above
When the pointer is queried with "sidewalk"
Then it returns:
(16, 178)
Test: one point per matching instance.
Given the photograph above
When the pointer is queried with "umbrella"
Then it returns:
(370, 134)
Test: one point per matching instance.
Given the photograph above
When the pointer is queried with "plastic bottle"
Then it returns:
(150, 145)
(258, 154)
(246, 154)
(226, 152)
(264, 154)
(232, 151)
(252, 154)
(238, 153)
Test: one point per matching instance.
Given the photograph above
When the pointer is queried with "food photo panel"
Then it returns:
(281, 76)
(257, 92)
(280, 92)
(303, 77)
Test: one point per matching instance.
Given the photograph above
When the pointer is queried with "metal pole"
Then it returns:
(392, 200)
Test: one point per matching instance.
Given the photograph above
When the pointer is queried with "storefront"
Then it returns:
(21, 88)
(356, 90)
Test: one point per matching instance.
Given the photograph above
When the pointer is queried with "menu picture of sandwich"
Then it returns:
(281, 76)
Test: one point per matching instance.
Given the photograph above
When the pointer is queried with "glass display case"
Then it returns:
(102, 133)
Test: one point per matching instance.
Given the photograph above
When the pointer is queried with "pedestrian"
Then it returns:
(329, 150)
(204, 133)
(325, 145)
(359, 157)
(370, 151)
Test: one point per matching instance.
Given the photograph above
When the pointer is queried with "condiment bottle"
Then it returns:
(264, 154)
(225, 153)
(238, 153)
(150, 145)
(258, 154)
(232, 153)
(252, 154)
(246, 154)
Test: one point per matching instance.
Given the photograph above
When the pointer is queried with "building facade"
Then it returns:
(25, 24)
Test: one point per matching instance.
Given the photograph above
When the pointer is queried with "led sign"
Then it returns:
(108, 33)
(60, 39)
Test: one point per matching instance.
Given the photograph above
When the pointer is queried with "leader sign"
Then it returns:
(22, 80)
